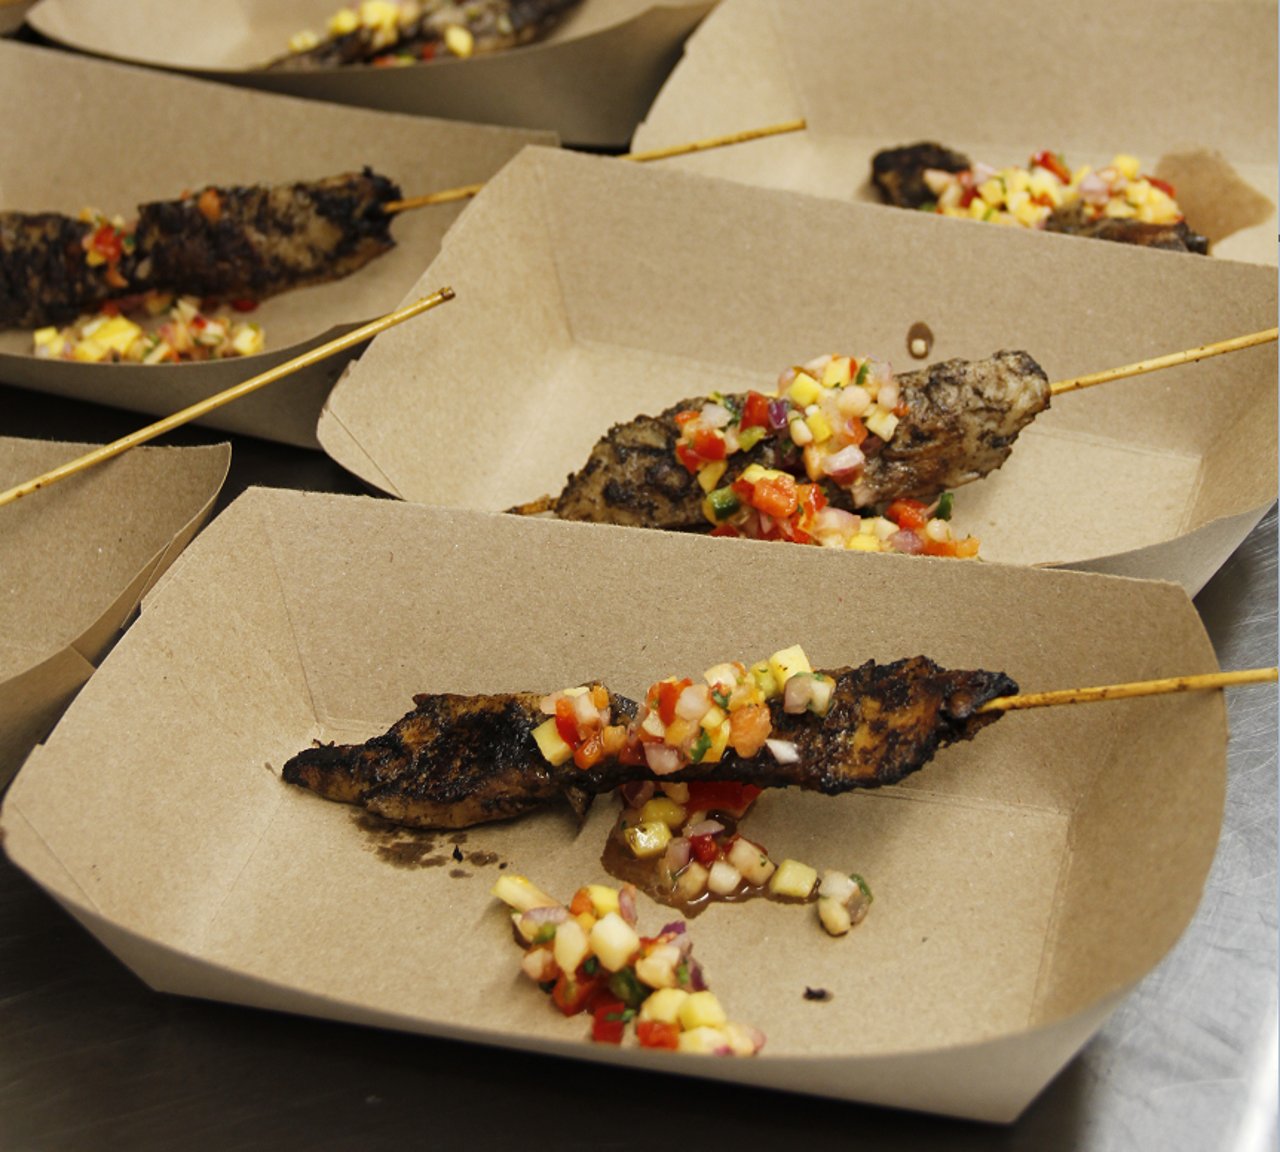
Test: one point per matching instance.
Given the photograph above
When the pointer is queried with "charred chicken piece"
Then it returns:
(44, 277)
(483, 26)
(898, 173)
(961, 420)
(456, 760)
(256, 241)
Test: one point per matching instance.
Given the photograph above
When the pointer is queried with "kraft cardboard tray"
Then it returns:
(75, 560)
(591, 80)
(591, 291)
(1023, 882)
(112, 137)
(1189, 88)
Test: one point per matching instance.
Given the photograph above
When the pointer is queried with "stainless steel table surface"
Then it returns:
(90, 1058)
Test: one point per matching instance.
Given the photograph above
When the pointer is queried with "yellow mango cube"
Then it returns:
(648, 838)
(664, 1005)
(882, 423)
(709, 474)
(1130, 167)
(838, 372)
(787, 662)
(664, 810)
(793, 879)
(117, 334)
(863, 543)
(701, 1010)
(819, 426)
(804, 390)
(551, 744)
(604, 899)
(343, 21)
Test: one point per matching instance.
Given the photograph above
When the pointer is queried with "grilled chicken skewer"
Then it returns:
(900, 177)
(961, 419)
(427, 30)
(235, 242)
(455, 761)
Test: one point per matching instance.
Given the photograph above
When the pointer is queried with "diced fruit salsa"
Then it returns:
(1028, 196)
(838, 411)
(682, 723)
(386, 21)
(589, 957)
(187, 333)
(686, 833)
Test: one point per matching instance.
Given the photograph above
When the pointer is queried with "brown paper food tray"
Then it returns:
(590, 81)
(75, 560)
(1023, 881)
(168, 133)
(1188, 87)
(590, 291)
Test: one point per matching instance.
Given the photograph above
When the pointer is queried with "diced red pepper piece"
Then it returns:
(572, 991)
(684, 416)
(755, 412)
(688, 457)
(608, 1020)
(724, 530)
(566, 722)
(657, 1034)
(708, 444)
(589, 753)
(907, 513)
(243, 305)
(107, 243)
(668, 694)
(1053, 163)
(1163, 185)
(704, 849)
(581, 902)
(857, 430)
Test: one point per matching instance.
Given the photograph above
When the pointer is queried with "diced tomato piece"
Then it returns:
(708, 444)
(589, 753)
(566, 722)
(668, 694)
(727, 796)
(657, 1034)
(581, 902)
(243, 305)
(968, 196)
(108, 243)
(704, 849)
(856, 430)
(683, 417)
(1163, 185)
(749, 728)
(572, 992)
(632, 751)
(907, 513)
(775, 496)
(608, 1020)
(1053, 163)
(724, 530)
(743, 489)
(755, 412)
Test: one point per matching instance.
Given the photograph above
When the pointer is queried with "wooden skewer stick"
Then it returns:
(202, 407)
(1190, 356)
(1200, 683)
(466, 191)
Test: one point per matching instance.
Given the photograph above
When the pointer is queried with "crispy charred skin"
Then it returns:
(962, 419)
(44, 278)
(495, 25)
(1169, 237)
(457, 760)
(261, 240)
(898, 173)
(452, 762)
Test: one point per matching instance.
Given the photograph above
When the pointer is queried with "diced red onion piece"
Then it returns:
(843, 463)
(888, 397)
(906, 542)
(547, 704)
(705, 828)
(638, 793)
(778, 410)
(662, 759)
(676, 928)
(550, 914)
(836, 520)
(627, 903)
(797, 694)
(784, 751)
(815, 366)
(585, 712)
(936, 179)
(678, 853)
(982, 172)
(696, 980)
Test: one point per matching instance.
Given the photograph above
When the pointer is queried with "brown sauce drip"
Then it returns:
(650, 877)
(419, 848)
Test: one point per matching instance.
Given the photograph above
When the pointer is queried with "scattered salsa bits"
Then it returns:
(1028, 196)
(185, 334)
(589, 958)
(838, 411)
